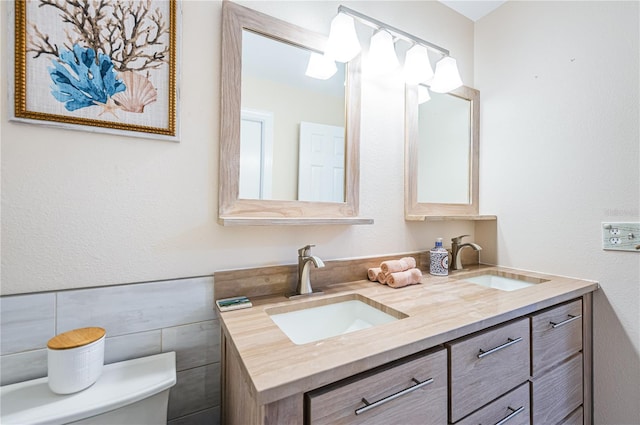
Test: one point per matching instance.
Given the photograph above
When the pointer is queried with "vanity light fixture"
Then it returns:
(382, 53)
(343, 44)
(343, 40)
(321, 67)
(417, 68)
(447, 77)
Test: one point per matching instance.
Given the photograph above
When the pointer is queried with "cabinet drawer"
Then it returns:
(487, 365)
(576, 418)
(556, 334)
(510, 409)
(558, 392)
(392, 394)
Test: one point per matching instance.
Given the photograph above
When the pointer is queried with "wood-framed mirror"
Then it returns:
(260, 96)
(441, 155)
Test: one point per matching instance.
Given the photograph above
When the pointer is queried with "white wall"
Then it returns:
(560, 118)
(81, 209)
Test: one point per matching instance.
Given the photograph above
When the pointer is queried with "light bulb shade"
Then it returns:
(382, 53)
(417, 68)
(423, 94)
(320, 67)
(447, 77)
(343, 44)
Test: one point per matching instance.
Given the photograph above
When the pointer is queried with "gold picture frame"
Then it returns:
(105, 66)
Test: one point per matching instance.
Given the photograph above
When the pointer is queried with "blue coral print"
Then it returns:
(106, 54)
(79, 80)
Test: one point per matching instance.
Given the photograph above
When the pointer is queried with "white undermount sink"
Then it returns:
(324, 318)
(501, 280)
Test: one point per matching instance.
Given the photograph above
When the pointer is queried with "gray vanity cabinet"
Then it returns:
(486, 365)
(532, 369)
(411, 391)
(531, 372)
(557, 364)
(512, 408)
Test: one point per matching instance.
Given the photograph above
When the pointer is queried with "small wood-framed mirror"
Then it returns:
(441, 154)
(265, 204)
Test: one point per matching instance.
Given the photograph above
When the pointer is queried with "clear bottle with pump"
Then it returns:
(439, 264)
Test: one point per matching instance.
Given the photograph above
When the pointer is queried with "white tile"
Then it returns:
(23, 366)
(132, 346)
(196, 389)
(135, 308)
(195, 345)
(27, 322)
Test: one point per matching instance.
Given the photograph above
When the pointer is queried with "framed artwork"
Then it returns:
(97, 65)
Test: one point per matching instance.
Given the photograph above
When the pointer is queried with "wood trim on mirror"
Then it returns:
(235, 211)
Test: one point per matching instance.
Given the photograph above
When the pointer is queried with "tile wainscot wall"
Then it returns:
(140, 319)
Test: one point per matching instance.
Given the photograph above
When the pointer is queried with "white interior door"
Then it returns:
(256, 154)
(321, 163)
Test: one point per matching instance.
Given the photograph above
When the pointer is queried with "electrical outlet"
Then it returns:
(621, 236)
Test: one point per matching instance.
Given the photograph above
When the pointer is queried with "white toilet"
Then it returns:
(130, 392)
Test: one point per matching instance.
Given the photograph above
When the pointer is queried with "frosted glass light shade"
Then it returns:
(343, 44)
(417, 68)
(423, 95)
(382, 53)
(320, 67)
(447, 77)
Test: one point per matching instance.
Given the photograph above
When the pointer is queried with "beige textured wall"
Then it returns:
(560, 84)
(82, 209)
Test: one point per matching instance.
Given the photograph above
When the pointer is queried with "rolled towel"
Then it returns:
(382, 277)
(393, 266)
(373, 272)
(407, 277)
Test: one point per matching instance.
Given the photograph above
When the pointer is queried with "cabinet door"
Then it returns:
(487, 365)
(411, 392)
(510, 409)
(556, 334)
(558, 392)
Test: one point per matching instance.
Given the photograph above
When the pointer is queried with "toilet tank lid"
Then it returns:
(121, 384)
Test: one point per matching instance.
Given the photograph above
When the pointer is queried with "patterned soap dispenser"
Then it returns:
(439, 264)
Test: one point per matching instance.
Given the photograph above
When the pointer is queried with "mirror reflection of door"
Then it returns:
(274, 80)
(321, 163)
(444, 150)
(256, 154)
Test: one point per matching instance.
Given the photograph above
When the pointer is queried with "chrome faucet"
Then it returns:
(456, 247)
(304, 260)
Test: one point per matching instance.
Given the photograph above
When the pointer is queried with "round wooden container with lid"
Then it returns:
(75, 359)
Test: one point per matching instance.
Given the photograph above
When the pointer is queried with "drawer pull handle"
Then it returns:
(514, 412)
(510, 341)
(369, 406)
(564, 322)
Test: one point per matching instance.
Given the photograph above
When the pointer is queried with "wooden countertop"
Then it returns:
(439, 309)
